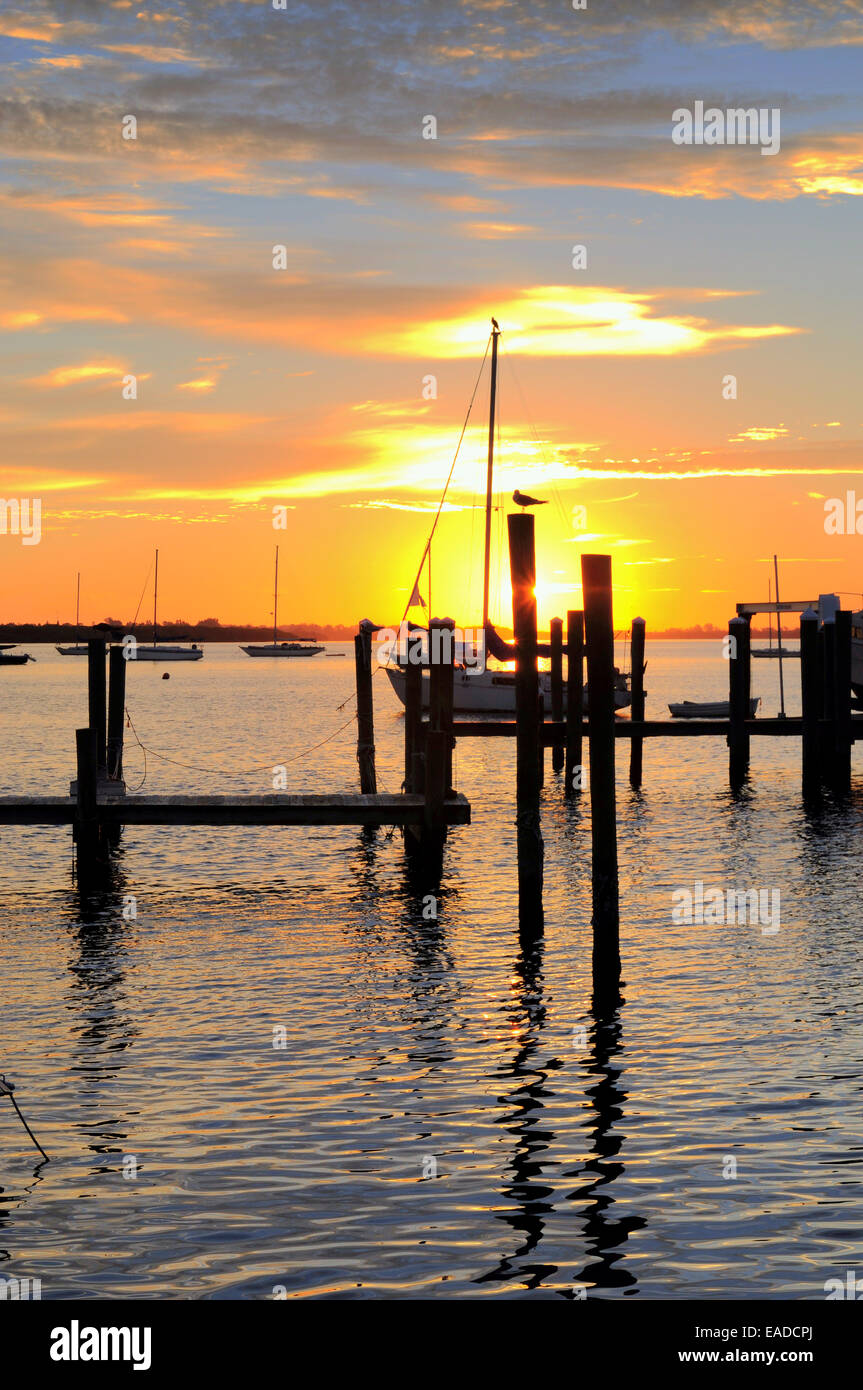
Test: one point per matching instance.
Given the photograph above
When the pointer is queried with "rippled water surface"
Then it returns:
(445, 1117)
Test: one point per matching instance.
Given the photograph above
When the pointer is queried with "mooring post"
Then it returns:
(439, 737)
(599, 641)
(842, 730)
(810, 694)
(557, 753)
(540, 745)
(365, 711)
(86, 814)
(738, 699)
(522, 565)
(116, 711)
(636, 650)
(412, 667)
(828, 724)
(96, 700)
(574, 699)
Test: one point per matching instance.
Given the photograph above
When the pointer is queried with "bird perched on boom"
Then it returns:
(522, 500)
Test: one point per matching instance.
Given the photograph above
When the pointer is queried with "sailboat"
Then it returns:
(162, 651)
(79, 648)
(277, 648)
(8, 657)
(490, 691)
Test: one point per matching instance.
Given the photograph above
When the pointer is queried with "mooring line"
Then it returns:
(237, 771)
(6, 1089)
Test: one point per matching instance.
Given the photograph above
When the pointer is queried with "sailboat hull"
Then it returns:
(72, 651)
(282, 649)
(167, 653)
(489, 692)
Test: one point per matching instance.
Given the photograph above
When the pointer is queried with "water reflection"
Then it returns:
(523, 1184)
(604, 1232)
(103, 915)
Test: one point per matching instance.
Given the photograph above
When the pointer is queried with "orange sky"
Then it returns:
(304, 385)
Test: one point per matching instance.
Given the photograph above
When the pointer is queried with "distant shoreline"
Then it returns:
(47, 634)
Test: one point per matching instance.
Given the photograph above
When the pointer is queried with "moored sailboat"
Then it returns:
(277, 648)
(164, 651)
(79, 648)
(488, 691)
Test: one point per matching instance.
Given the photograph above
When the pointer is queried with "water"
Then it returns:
(569, 1155)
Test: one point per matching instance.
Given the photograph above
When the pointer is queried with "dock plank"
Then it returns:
(275, 809)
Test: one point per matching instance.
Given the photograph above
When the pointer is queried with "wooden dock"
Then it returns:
(277, 809)
(552, 732)
(98, 807)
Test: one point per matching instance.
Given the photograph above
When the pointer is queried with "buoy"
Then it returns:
(166, 675)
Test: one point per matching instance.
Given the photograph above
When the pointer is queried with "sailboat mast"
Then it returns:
(495, 334)
(155, 597)
(276, 599)
(779, 642)
(78, 610)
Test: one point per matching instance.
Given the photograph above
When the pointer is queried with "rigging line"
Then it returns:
(143, 591)
(449, 478)
(237, 771)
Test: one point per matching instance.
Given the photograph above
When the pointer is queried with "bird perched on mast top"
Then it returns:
(522, 500)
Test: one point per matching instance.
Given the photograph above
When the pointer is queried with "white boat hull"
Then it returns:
(167, 653)
(72, 651)
(487, 692)
(282, 649)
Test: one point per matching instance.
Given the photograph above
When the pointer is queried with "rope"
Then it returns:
(6, 1089)
(230, 772)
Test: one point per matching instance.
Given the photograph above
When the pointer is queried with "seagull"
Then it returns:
(522, 500)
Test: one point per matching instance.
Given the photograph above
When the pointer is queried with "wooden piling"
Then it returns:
(599, 641)
(365, 712)
(828, 707)
(116, 711)
(842, 732)
(439, 736)
(522, 565)
(811, 701)
(557, 752)
(413, 716)
(739, 681)
(540, 741)
(96, 700)
(86, 820)
(574, 698)
(636, 650)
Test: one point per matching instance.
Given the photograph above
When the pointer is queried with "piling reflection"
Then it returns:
(102, 917)
(605, 1233)
(525, 1103)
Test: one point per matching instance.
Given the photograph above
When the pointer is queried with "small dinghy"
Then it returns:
(8, 657)
(709, 709)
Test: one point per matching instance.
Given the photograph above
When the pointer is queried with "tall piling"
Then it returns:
(828, 705)
(739, 682)
(599, 642)
(439, 738)
(636, 650)
(412, 667)
(116, 711)
(557, 753)
(96, 701)
(365, 711)
(86, 815)
(842, 730)
(810, 694)
(522, 564)
(574, 699)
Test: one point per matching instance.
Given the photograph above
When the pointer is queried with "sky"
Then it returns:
(332, 379)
